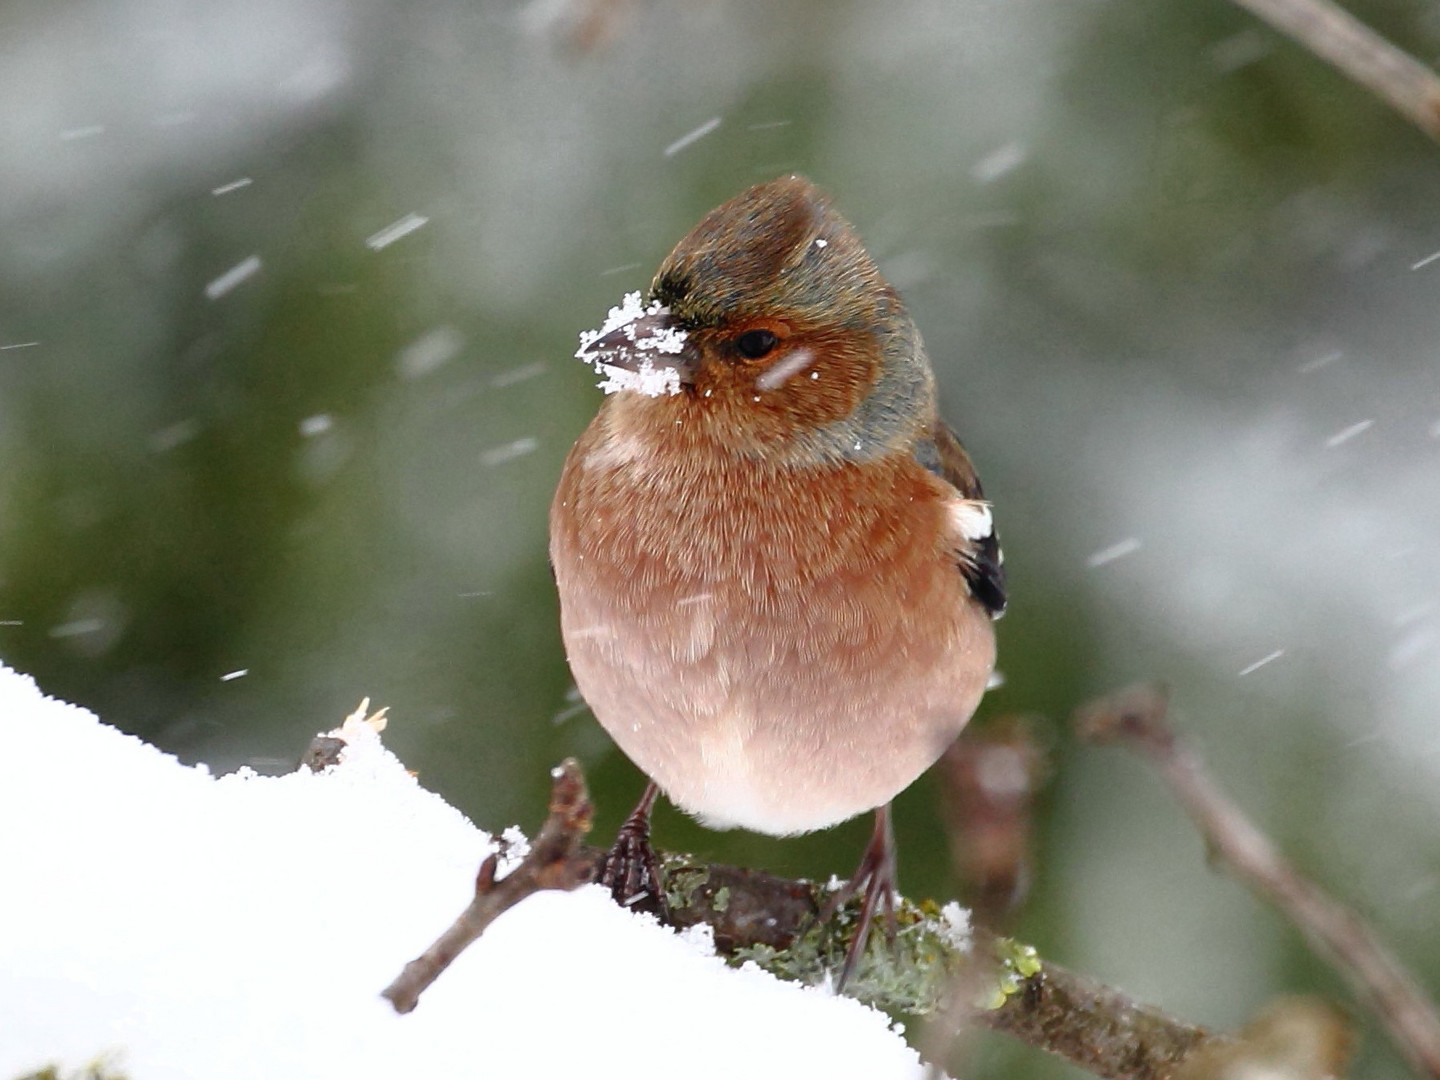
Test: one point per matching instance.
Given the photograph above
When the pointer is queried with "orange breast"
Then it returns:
(779, 648)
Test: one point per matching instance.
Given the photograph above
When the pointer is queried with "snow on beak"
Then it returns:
(639, 348)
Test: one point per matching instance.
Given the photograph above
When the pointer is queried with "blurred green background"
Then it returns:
(1170, 268)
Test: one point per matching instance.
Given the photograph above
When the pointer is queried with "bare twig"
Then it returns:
(1335, 35)
(1096, 1027)
(556, 861)
(989, 778)
(1137, 717)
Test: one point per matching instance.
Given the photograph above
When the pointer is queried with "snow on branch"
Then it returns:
(773, 922)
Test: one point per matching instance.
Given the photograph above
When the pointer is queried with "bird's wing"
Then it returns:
(981, 561)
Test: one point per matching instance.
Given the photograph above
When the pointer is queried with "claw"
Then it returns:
(630, 869)
(874, 881)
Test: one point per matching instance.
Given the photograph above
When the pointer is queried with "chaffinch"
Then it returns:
(776, 567)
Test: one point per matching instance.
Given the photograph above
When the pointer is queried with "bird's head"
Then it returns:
(771, 316)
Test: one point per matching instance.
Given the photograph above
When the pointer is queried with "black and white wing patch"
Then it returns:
(981, 561)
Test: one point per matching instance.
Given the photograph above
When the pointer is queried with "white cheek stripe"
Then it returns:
(783, 370)
(971, 519)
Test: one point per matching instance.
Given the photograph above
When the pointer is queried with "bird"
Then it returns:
(777, 570)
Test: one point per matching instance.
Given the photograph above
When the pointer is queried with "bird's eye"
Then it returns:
(753, 344)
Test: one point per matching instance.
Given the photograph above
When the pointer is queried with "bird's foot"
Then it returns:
(631, 869)
(874, 882)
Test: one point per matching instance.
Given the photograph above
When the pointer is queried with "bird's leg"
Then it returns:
(630, 869)
(875, 882)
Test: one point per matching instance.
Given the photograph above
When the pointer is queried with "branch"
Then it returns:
(1136, 717)
(555, 861)
(1335, 35)
(773, 922)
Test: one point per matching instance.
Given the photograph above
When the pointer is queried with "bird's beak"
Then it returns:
(653, 342)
